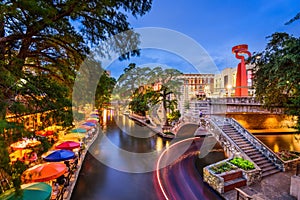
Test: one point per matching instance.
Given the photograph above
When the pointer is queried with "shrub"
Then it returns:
(222, 167)
(242, 163)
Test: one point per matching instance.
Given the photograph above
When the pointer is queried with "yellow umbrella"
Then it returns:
(73, 136)
(18, 154)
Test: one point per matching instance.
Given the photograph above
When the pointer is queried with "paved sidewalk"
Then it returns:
(274, 187)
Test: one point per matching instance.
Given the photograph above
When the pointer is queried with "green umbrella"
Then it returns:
(31, 191)
(78, 130)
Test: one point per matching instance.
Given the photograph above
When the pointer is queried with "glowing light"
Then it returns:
(104, 116)
(276, 148)
(159, 144)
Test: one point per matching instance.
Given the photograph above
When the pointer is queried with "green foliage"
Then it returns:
(139, 103)
(242, 163)
(138, 83)
(222, 167)
(277, 74)
(174, 116)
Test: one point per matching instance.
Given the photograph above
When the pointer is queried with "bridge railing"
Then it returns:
(273, 157)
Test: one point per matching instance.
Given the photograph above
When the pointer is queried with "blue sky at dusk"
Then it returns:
(215, 25)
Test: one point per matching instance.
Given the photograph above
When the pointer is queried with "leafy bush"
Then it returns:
(242, 163)
(222, 167)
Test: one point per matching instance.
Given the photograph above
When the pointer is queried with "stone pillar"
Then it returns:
(295, 186)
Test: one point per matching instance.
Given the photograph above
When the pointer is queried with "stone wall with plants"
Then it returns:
(214, 180)
(214, 173)
(289, 158)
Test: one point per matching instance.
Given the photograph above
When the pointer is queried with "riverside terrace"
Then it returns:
(64, 180)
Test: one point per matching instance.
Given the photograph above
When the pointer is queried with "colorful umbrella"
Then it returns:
(31, 191)
(85, 127)
(68, 145)
(44, 172)
(93, 118)
(44, 133)
(94, 115)
(89, 124)
(73, 136)
(92, 121)
(59, 155)
(78, 130)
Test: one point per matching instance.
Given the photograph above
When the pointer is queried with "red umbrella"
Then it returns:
(70, 145)
(44, 133)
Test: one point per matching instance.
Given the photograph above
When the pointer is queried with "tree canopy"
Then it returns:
(277, 74)
(42, 46)
(42, 40)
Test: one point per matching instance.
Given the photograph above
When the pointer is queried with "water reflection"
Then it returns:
(281, 142)
(99, 181)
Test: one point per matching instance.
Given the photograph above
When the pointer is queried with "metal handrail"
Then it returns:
(233, 143)
(257, 143)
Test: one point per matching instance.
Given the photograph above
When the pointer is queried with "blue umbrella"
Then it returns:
(60, 155)
(78, 130)
(89, 124)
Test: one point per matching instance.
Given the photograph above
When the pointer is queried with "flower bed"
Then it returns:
(222, 167)
(287, 155)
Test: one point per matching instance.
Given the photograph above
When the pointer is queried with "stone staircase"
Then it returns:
(250, 150)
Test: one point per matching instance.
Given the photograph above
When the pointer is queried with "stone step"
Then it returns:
(265, 165)
(258, 159)
(244, 145)
(269, 168)
(232, 131)
(257, 155)
(241, 140)
(247, 148)
(252, 153)
(235, 183)
(262, 162)
(251, 150)
(236, 137)
(268, 173)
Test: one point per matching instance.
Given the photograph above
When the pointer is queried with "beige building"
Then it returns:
(225, 82)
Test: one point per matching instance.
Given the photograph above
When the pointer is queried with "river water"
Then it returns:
(281, 141)
(120, 163)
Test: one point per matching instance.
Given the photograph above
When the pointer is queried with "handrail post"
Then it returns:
(242, 194)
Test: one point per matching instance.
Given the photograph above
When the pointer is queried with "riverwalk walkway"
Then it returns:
(69, 189)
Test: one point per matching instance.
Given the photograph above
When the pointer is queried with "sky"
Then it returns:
(215, 25)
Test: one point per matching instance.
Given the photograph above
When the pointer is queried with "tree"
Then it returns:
(277, 74)
(132, 78)
(104, 90)
(53, 37)
(140, 102)
(44, 42)
(169, 85)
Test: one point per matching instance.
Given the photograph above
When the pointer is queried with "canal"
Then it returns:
(121, 163)
(281, 141)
